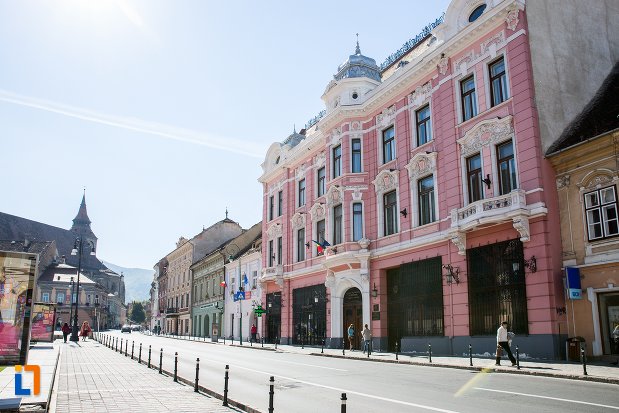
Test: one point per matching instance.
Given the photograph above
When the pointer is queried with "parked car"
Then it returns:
(136, 328)
(125, 329)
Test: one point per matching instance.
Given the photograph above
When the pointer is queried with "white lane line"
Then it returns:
(547, 397)
(309, 365)
(341, 390)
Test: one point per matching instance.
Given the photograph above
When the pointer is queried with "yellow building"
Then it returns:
(586, 163)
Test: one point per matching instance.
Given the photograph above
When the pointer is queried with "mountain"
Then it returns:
(137, 281)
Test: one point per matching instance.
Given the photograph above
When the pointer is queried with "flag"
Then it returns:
(245, 281)
(318, 246)
(223, 283)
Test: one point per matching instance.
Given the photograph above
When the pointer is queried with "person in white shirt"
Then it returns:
(502, 342)
(367, 336)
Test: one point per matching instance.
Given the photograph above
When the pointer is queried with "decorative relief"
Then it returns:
(512, 18)
(298, 220)
(599, 180)
(364, 243)
(459, 240)
(386, 117)
(386, 181)
(336, 136)
(335, 195)
(356, 192)
(493, 43)
(485, 133)
(330, 280)
(299, 173)
(421, 94)
(320, 160)
(356, 125)
(274, 231)
(442, 65)
(563, 181)
(421, 164)
(521, 224)
(462, 63)
(317, 212)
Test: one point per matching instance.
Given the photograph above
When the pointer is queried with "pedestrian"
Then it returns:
(367, 336)
(502, 343)
(615, 337)
(351, 335)
(65, 331)
(85, 330)
(254, 331)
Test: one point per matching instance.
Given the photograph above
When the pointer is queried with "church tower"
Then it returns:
(81, 225)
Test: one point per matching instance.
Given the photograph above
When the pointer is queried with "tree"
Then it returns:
(137, 312)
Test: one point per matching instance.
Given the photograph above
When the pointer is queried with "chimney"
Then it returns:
(63, 259)
(27, 243)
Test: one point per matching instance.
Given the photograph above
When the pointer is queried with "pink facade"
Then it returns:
(389, 281)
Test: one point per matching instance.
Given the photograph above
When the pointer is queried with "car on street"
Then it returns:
(125, 329)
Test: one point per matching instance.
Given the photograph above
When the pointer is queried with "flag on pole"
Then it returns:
(245, 281)
(223, 282)
(321, 245)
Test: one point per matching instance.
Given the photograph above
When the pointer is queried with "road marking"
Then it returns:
(309, 365)
(549, 398)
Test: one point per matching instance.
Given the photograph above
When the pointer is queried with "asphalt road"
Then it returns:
(313, 384)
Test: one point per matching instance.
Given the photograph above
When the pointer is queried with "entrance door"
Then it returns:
(609, 320)
(273, 317)
(353, 314)
(207, 326)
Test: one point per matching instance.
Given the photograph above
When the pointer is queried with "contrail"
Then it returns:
(153, 128)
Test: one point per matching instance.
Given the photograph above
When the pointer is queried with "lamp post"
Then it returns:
(72, 283)
(78, 249)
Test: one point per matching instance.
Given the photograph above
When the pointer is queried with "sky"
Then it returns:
(163, 110)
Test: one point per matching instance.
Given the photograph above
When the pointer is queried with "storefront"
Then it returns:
(309, 315)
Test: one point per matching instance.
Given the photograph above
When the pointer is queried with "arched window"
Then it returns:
(476, 13)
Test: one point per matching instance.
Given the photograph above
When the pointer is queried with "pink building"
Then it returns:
(426, 178)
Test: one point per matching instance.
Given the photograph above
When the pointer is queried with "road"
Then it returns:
(312, 384)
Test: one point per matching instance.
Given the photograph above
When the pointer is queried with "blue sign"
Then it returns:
(239, 295)
(573, 283)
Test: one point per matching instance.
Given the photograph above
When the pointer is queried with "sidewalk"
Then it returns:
(599, 371)
(91, 378)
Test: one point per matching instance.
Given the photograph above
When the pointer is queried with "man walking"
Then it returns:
(367, 336)
(502, 342)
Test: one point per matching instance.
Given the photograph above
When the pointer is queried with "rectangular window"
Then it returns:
(74, 298)
(498, 82)
(280, 203)
(320, 233)
(337, 161)
(60, 298)
(507, 167)
(337, 224)
(271, 202)
(254, 280)
(45, 297)
(88, 296)
(469, 99)
(601, 213)
(302, 192)
(301, 245)
(426, 200)
(270, 253)
(424, 126)
(357, 221)
(473, 174)
(390, 211)
(322, 175)
(356, 156)
(279, 250)
(388, 144)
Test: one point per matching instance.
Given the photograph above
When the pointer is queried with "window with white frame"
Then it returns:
(60, 297)
(473, 174)
(601, 213)
(355, 166)
(425, 195)
(279, 250)
(506, 167)
(498, 82)
(271, 256)
(388, 144)
(280, 203)
(357, 221)
(301, 192)
(45, 297)
(390, 213)
(321, 176)
(424, 125)
(271, 207)
(254, 280)
(301, 245)
(337, 224)
(337, 161)
(468, 98)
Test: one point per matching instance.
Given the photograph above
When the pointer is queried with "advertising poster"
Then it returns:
(43, 320)
(17, 273)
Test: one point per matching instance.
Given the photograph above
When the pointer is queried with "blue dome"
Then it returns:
(358, 65)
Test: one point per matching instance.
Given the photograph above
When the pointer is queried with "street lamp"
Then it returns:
(72, 284)
(77, 249)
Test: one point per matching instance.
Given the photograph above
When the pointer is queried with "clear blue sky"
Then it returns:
(164, 110)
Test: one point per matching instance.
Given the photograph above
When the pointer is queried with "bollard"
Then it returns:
(149, 356)
(132, 348)
(343, 410)
(470, 355)
(116, 344)
(251, 342)
(195, 387)
(517, 358)
(121, 346)
(271, 393)
(343, 347)
(126, 345)
(262, 338)
(396, 351)
(140, 355)
(160, 360)
(176, 366)
(302, 343)
(584, 360)
(276, 340)
(430, 352)
(225, 403)
(322, 346)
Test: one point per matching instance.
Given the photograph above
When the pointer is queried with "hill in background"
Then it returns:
(137, 281)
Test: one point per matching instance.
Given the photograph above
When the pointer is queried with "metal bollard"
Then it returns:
(121, 346)
(271, 393)
(396, 351)
(116, 344)
(584, 360)
(224, 340)
(343, 398)
(251, 342)
(276, 340)
(343, 347)
(176, 366)
(225, 403)
(262, 338)
(195, 387)
(470, 355)
(160, 360)
(140, 355)
(302, 343)
(149, 348)
(126, 345)
(430, 352)
(517, 358)
(132, 348)
(322, 346)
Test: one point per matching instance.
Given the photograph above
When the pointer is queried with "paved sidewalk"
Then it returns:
(601, 371)
(91, 378)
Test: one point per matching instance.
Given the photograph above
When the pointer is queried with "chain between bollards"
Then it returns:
(160, 360)
(195, 387)
(176, 366)
(132, 348)
(343, 398)
(430, 352)
(149, 349)
(140, 354)
(271, 393)
(225, 403)
(470, 355)
(584, 360)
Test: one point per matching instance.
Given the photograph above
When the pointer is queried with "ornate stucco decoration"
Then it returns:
(335, 195)
(462, 63)
(355, 125)
(459, 240)
(563, 181)
(492, 44)
(299, 173)
(336, 136)
(298, 220)
(521, 224)
(387, 117)
(485, 133)
(279, 280)
(364, 243)
(317, 211)
(512, 18)
(274, 231)
(356, 192)
(421, 164)
(599, 180)
(321, 160)
(386, 181)
(330, 280)
(421, 94)
(280, 185)
(443, 64)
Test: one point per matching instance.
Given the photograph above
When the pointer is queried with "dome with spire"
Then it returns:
(358, 65)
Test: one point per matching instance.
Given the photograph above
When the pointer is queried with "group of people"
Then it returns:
(85, 331)
(366, 335)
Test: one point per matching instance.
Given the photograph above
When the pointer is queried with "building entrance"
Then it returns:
(273, 317)
(353, 314)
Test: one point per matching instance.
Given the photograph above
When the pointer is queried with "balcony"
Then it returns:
(274, 274)
(171, 310)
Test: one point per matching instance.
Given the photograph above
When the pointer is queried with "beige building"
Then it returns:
(586, 162)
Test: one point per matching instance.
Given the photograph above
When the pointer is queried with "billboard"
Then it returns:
(43, 321)
(17, 276)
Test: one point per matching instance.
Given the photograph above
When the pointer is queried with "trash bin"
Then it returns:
(573, 345)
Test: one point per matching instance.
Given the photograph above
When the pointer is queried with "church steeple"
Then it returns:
(81, 218)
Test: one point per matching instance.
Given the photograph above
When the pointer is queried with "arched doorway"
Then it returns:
(353, 314)
(207, 332)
